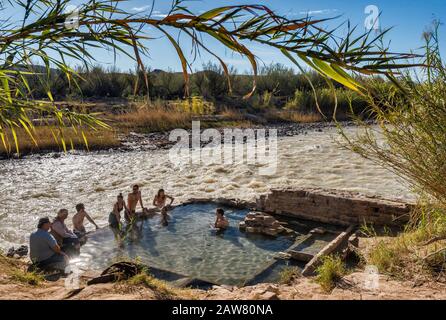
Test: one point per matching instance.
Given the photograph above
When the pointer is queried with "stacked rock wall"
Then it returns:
(335, 207)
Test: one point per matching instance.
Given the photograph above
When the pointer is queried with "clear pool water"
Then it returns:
(189, 246)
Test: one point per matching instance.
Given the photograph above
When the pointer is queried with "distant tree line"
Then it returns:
(278, 86)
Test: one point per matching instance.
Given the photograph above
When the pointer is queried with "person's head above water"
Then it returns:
(62, 214)
(220, 212)
(160, 193)
(80, 207)
(44, 224)
(120, 197)
(135, 188)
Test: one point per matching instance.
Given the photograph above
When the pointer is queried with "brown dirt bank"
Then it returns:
(350, 287)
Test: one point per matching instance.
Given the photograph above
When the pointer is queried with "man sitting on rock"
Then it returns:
(44, 252)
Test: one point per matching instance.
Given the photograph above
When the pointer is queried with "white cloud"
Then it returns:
(140, 9)
(155, 13)
(316, 12)
(158, 14)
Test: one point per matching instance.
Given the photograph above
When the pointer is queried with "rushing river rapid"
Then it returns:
(39, 186)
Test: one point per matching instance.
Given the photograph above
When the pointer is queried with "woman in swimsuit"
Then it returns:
(114, 219)
(160, 200)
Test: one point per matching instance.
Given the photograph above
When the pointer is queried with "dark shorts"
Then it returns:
(56, 261)
(79, 234)
(70, 242)
(71, 246)
(112, 221)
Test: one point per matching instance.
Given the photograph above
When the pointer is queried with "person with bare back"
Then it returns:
(132, 201)
(78, 221)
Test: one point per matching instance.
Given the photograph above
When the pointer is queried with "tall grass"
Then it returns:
(44, 135)
(420, 250)
(346, 102)
(278, 88)
(288, 274)
(330, 272)
(154, 119)
(412, 117)
(15, 270)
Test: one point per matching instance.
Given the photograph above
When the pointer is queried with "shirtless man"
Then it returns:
(132, 201)
(78, 221)
(220, 222)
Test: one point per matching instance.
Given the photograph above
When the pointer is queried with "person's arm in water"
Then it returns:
(52, 243)
(126, 209)
(91, 220)
(140, 200)
(155, 201)
(216, 222)
(58, 250)
(171, 199)
(128, 201)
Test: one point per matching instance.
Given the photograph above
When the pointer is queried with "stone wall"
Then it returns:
(335, 207)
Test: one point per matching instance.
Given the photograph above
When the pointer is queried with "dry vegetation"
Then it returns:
(289, 274)
(418, 252)
(46, 141)
(151, 120)
(330, 272)
(293, 116)
(159, 117)
(15, 271)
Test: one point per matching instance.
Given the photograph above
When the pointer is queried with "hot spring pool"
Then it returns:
(189, 247)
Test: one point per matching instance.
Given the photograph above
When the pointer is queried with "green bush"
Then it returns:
(331, 270)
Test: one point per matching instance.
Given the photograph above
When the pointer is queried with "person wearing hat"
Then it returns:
(44, 251)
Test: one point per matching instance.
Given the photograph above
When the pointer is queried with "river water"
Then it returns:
(35, 187)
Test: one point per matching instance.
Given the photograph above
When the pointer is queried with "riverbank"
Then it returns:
(350, 287)
(137, 126)
(128, 140)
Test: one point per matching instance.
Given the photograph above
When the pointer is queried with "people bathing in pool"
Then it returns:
(164, 217)
(159, 201)
(114, 218)
(132, 201)
(221, 222)
(161, 198)
(78, 222)
(45, 252)
(67, 240)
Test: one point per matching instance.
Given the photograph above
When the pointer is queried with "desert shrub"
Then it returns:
(30, 278)
(288, 274)
(331, 270)
(412, 119)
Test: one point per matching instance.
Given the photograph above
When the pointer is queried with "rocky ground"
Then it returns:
(160, 140)
(350, 288)
(354, 286)
(136, 141)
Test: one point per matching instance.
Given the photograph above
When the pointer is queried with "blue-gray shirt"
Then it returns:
(41, 245)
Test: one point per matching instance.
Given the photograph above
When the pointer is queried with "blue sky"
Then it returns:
(409, 18)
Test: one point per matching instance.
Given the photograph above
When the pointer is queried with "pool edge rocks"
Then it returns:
(335, 207)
